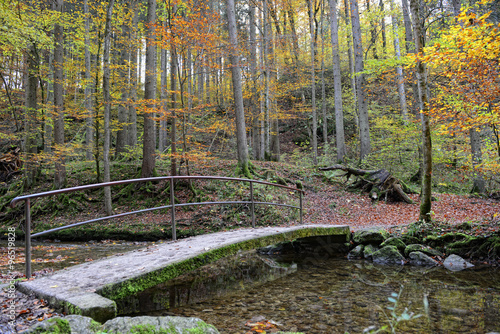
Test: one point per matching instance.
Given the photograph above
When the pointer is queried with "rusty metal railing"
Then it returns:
(27, 200)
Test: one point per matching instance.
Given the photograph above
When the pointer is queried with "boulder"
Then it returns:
(394, 241)
(374, 236)
(420, 259)
(369, 250)
(456, 263)
(422, 248)
(76, 324)
(388, 255)
(356, 253)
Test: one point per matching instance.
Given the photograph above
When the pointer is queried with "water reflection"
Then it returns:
(329, 295)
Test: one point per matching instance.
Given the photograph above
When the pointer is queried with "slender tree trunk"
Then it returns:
(351, 63)
(89, 129)
(48, 123)
(425, 197)
(173, 116)
(410, 48)
(121, 134)
(241, 138)
(267, 99)
(382, 28)
(162, 131)
(477, 158)
(364, 126)
(60, 169)
(132, 110)
(399, 69)
(30, 116)
(254, 77)
(337, 84)
(314, 139)
(323, 83)
(148, 139)
(107, 108)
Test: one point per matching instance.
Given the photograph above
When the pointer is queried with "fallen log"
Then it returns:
(378, 183)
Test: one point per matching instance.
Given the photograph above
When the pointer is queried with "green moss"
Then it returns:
(131, 287)
(54, 326)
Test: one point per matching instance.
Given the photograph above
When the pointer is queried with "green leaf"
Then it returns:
(392, 300)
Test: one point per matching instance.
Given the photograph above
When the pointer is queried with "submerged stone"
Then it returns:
(373, 236)
(388, 255)
(456, 263)
(420, 259)
(356, 253)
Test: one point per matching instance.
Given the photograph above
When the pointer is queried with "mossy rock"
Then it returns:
(394, 241)
(56, 325)
(374, 236)
(422, 248)
(356, 253)
(369, 250)
(420, 259)
(388, 255)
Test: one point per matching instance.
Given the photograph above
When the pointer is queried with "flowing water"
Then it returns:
(332, 295)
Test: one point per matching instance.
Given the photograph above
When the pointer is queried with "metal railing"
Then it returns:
(27, 199)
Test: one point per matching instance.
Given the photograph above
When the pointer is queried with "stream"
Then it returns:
(330, 295)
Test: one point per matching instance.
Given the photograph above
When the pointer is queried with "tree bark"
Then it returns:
(364, 126)
(337, 83)
(132, 111)
(107, 108)
(89, 129)
(60, 169)
(314, 136)
(241, 138)
(256, 128)
(148, 138)
(425, 197)
(121, 134)
(30, 116)
(399, 69)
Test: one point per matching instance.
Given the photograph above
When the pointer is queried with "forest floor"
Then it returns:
(325, 202)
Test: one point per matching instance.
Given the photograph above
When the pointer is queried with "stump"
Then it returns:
(10, 165)
(378, 183)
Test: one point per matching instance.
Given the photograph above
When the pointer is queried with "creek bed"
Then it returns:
(332, 295)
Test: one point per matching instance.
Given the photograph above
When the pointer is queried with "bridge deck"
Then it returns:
(89, 288)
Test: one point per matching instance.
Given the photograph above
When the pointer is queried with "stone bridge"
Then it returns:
(90, 289)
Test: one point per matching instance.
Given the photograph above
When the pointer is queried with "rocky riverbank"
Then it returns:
(433, 244)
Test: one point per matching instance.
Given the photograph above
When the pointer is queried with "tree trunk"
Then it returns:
(148, 138)
(256, 129)
(267, 78)
(60, 169)
(173, 116)
(162, 131)
(89, 129)
(49, 110)
(477, 159)
(132, 111)
(30, 117)
(241, 138)
(425, 197)
(399, 70)
(107, 108)
(121, 134)
(351, 63)
(364, 126)
(314, 136)
(337, 84)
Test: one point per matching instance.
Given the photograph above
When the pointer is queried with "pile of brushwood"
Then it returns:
(379, 184)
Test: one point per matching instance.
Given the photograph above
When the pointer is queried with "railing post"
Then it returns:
(300, 199)
(252, 205)
(172, 210)
(27, 238)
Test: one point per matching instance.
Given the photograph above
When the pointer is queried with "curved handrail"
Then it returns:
(27, 199)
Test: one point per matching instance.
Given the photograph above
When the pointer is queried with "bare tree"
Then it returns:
(241, 138)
